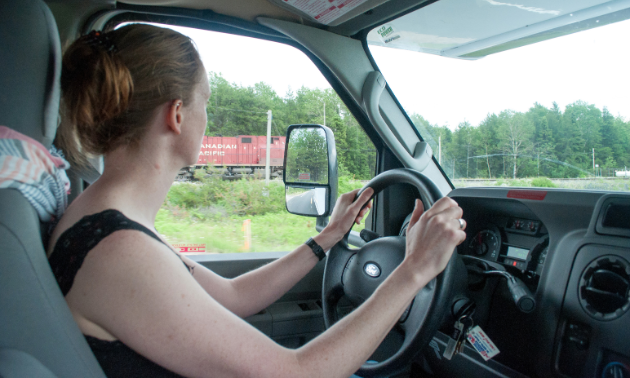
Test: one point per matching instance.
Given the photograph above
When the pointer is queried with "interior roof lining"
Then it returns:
(351, 28)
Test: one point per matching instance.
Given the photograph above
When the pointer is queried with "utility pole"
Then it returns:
(268, 148)
(593, 159)
(324, 113)
(440, 150)
(467, 161)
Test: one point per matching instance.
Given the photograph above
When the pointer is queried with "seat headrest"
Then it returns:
(30, 67)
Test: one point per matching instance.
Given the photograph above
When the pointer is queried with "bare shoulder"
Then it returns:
(123, 276)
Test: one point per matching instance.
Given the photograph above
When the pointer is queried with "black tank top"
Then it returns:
(116, 358)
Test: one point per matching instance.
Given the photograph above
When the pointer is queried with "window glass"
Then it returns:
(222, 204)
(550, 114)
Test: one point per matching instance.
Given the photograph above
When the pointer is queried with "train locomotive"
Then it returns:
(237, 157)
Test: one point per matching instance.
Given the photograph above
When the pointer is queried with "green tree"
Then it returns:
(487, 141)
(307, 154)
(516, 136)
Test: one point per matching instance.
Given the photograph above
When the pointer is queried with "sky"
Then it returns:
(247, 61)
(591, 66)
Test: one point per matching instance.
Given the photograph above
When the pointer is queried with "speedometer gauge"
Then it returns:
(486, 243)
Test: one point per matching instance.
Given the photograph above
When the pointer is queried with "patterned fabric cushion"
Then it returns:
(39, 174)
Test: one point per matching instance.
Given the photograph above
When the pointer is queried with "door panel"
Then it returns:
(295, 318)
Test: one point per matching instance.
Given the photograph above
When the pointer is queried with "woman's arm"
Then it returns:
(137, 290)
(252, 292)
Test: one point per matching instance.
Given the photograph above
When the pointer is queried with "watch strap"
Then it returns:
(317, 249)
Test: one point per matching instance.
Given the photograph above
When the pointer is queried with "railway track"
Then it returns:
(188, 174)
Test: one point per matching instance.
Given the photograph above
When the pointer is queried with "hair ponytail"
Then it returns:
(96, 87)
(112, 82)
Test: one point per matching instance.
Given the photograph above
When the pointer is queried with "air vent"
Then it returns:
(613, 217)
(605, 288)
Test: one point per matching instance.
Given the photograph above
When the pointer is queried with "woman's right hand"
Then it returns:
(432, 236)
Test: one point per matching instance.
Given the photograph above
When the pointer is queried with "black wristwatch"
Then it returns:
(317, 249)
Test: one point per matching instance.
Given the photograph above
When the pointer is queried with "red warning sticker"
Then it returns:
(190, 248)
(534, 195)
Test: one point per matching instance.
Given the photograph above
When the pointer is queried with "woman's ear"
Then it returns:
(175, 116)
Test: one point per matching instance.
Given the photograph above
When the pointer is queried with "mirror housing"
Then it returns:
(310, 170)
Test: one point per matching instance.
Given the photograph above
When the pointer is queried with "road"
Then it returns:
(310, 202)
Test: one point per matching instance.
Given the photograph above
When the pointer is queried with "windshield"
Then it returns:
(534, 93)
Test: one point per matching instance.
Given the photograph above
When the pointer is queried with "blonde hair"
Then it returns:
(112, 84)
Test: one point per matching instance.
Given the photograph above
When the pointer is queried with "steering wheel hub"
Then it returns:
(370, 266)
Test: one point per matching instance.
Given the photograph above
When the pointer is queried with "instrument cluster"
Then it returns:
(519, 244)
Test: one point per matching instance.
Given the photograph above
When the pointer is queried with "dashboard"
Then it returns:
(570, 252)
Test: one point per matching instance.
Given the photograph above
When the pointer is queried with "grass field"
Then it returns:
(214, 213)
(269, 232)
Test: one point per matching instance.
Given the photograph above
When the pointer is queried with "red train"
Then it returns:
(240, 155)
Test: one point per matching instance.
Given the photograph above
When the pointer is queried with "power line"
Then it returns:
(273, 121)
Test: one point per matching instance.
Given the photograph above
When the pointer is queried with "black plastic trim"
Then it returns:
(184, 17)
(603, 211)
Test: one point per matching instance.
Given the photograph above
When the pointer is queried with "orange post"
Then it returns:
(247, 229)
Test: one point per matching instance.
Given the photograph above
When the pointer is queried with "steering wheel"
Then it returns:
(356, 273)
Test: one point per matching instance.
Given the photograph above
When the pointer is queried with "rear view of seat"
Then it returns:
(38, 336)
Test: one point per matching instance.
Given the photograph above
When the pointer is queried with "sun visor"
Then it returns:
(472, 29)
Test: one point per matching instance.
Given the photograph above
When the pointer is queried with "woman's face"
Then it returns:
(197, 119)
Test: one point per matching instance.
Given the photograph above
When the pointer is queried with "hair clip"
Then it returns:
(96, 38)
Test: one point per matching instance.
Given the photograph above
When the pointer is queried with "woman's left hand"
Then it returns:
(348, 211)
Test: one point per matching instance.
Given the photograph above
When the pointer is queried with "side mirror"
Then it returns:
(310, 170)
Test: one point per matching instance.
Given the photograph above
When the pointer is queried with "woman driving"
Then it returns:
(138, 95)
